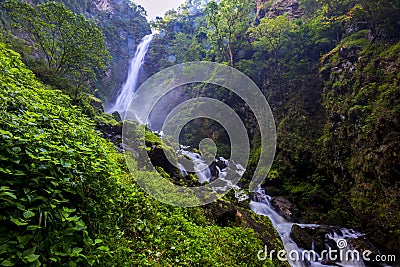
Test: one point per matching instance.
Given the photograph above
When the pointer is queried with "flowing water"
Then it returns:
(203, 173)
(201, 168)
(260, 204)
(127, 92)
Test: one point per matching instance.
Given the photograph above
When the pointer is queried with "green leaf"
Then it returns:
(76, 250)
(11, 195)
(23, 240)
(33, 227)
(103, 248)
(18, 221)
(31, 257)
(29, 251)
(65, 163)
(7, 262)
(98, 241)
(28, 214)
(16, 149)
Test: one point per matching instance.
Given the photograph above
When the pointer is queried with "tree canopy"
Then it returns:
(72, 47)
(228, 22)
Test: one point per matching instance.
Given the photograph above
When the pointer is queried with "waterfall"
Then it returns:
(261, 205)
(127, 92)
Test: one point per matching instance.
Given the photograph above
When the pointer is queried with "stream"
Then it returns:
(335, 237)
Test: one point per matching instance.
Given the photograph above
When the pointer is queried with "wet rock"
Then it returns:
(311, 237)
(227, 217)
(222, 164)
(283, 206)
(301, 236)
(116, 116)
(361, 245)
(111, 132)
(159, 159)
(213, 169)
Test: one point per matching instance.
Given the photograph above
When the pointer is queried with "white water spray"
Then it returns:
(262, 206)
(128, 90)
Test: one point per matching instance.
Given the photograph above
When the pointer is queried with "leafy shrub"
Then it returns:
(66, 198)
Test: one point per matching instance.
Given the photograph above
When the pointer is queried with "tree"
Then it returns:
(228, 23)
(271, 35)
(381, 17)
(72, 46)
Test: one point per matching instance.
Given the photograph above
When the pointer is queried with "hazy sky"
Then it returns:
(156, 8)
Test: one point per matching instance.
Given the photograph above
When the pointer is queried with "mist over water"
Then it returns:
(128, 90)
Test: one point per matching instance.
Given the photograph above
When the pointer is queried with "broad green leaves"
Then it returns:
(48, 152)
(72, 203)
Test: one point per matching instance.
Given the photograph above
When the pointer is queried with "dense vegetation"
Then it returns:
(329, 69)
(122, 24)
(71, 47)
(66, 197)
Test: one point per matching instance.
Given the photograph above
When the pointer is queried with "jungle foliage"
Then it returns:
(329, 70)
(68, 199)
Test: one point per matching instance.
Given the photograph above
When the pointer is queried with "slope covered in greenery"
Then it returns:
(66, 198)
(330, 71)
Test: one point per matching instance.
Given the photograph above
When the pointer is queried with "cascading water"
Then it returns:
(202, 170)
(262, 206)
(127, 92)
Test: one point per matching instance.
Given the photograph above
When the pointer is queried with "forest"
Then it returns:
(72, 187)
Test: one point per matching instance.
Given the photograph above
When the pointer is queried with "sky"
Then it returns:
(156, 8)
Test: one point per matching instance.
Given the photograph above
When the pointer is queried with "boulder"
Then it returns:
(311, 237)
(159, 159)
(362, 244)
(284, 207)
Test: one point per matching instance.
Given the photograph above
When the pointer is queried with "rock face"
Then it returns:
(359, 93)
(361, 245)
(230, 217)
(280, 7)
(112, 132)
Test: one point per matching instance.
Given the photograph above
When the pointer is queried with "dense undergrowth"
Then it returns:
(67, 199)
(330, 72)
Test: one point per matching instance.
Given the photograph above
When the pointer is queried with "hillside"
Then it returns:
(66, 196)
(72, 190)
